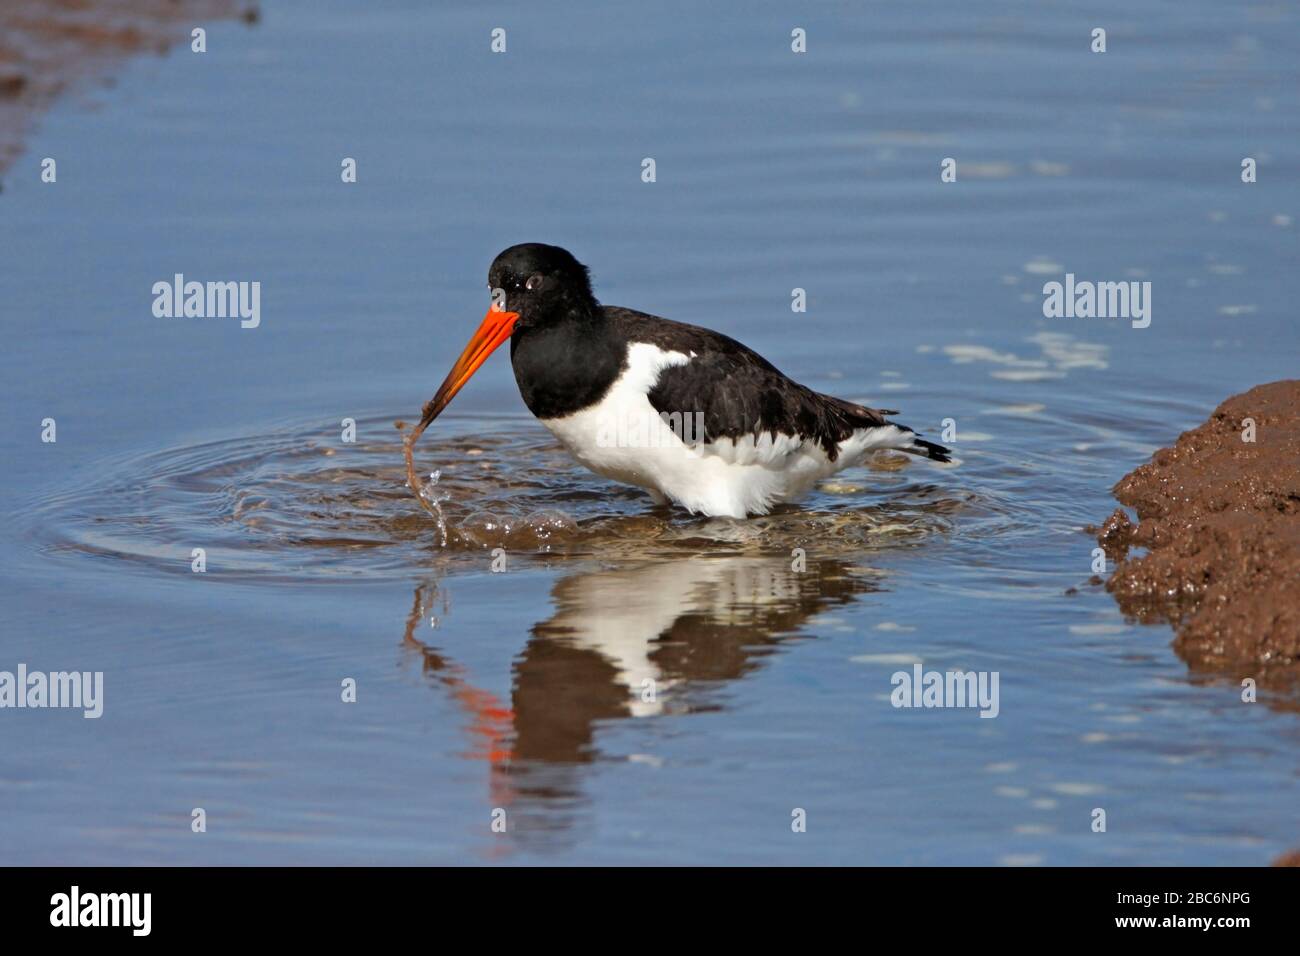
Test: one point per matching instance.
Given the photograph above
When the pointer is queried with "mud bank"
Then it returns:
(1216, 550)
(48, 46)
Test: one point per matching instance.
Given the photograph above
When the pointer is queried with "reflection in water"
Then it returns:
(637, 642)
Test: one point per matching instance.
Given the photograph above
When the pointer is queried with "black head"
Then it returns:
(540, 282)
(533, 286)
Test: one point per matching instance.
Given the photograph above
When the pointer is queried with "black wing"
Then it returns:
(738, 391)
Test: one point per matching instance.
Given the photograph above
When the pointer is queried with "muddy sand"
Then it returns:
(1216, 548)
(49, 46)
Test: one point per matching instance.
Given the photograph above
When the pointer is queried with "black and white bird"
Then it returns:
(691, 415)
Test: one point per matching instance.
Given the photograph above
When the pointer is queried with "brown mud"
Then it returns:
(49, 46)
(1216, 548)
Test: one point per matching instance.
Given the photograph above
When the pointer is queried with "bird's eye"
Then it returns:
(534, 281)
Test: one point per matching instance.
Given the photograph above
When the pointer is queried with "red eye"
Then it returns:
(534, 282)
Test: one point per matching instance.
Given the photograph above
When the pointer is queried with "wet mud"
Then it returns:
(1215, 550)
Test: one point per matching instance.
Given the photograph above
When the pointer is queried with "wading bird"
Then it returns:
(616, 386)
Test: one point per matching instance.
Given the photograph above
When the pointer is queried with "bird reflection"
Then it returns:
(635, 642)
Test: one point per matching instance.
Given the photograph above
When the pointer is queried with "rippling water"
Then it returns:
(769, 643)
(325, 508)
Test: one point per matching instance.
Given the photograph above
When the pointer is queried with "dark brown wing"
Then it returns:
(736, 390)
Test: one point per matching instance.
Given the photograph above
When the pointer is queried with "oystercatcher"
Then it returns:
(691, 415)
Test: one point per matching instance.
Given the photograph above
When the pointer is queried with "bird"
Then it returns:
(690, 415)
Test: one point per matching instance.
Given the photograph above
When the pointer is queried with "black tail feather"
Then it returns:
(928, 449)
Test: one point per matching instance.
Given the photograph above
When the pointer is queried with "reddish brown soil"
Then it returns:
(1219, 519)
(47, 46)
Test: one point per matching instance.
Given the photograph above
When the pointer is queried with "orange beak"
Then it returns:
(496, 328)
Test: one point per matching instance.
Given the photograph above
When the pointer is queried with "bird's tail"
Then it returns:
(896, 436)
(911, 443)
(927, 449)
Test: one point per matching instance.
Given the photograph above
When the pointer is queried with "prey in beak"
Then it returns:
(495, 329)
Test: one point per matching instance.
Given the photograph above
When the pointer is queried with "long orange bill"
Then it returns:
(496, 328)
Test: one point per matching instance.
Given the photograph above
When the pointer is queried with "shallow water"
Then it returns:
(522, 689)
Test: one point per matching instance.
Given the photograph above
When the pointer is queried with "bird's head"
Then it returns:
(539, 283)
(532, 285)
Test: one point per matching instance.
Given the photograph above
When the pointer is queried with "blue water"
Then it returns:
(774, 171)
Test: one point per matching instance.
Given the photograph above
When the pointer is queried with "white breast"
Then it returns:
(622, 435)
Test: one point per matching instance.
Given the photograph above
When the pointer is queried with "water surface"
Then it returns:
(523, 689)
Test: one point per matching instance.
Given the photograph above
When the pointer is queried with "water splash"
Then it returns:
(433, 498)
